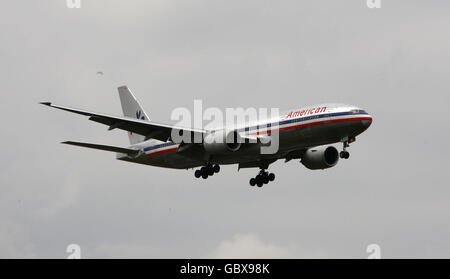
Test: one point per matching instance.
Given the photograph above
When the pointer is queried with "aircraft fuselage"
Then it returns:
(298, 129)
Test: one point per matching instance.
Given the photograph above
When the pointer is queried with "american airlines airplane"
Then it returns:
(304, 134)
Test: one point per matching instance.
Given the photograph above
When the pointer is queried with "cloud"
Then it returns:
(14, 242)
(42, 196)
(250, 246)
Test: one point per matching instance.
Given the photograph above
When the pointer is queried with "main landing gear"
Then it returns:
(262, 178)
(207, 170)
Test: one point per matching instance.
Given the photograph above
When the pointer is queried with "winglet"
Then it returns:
(46, 103)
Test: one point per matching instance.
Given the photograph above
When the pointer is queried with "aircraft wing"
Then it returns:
(148, 129)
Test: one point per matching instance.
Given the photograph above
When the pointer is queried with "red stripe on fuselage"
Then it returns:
(163, 151)
(281, 129)
(313, 124)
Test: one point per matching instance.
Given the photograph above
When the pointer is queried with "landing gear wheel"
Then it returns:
(198, 173)
(258, 179)
(344, 154)
(263, 177)
(204, 175)
(210, 171)
(216, 168)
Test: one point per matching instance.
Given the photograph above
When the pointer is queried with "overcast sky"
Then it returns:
(394, 190)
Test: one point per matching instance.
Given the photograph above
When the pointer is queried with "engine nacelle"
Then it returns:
(222, 142)
(320, 157)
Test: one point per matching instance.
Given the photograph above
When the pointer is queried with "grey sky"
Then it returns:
(394, 190)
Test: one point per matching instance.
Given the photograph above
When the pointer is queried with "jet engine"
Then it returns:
(222, 142)
(320, 157)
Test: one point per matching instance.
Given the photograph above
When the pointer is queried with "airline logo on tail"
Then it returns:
(140, 115)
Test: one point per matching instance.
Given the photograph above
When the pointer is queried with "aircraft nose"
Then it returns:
(367, 121)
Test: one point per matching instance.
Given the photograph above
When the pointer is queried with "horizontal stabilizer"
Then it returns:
(130, 152)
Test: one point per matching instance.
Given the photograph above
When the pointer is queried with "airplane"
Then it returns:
(306, 134)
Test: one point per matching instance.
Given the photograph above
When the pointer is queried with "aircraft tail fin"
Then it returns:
(131, 108)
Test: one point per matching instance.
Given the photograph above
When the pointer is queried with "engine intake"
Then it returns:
(222, 142)
(320, 157)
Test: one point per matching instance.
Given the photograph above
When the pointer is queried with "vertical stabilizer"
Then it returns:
(131, 108)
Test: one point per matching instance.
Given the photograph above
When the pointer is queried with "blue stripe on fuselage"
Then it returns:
(159, 146)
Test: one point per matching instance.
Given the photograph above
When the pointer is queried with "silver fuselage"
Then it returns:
(297, 129)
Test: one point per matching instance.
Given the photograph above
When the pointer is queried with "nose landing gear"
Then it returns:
(344, 154)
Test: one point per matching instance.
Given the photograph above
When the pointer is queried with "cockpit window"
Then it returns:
(359, 111)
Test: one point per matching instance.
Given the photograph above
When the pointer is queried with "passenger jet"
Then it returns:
(305, 134)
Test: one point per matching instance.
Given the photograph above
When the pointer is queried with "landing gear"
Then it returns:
(210, 171)
(206, 171)
(216, 168)
(344, 154)
(262, 178)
